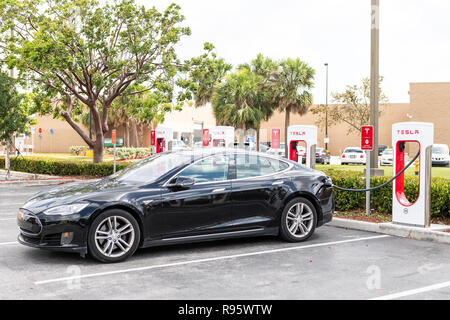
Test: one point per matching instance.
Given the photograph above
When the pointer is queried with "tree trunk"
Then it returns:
(242, 136)
(7, 162)
(126, 134)
(135, 134)
(98, 147)
(287, 119)
(257, 139)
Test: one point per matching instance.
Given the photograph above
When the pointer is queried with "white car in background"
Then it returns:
(353, 155)
(179, 145)
(440, 155)
(387, 158)
(278, 152)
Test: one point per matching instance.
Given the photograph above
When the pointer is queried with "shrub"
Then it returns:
(381, 199)
(132, 153)
(78, 150)
(64, 168)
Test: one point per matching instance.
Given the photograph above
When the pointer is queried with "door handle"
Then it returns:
(276, 183)
(218, 190)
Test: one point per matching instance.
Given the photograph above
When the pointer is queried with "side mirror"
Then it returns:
(182, 182)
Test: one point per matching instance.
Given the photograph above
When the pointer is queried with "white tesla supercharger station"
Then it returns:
(306, 134)
(163, 138)
(403, 211)
(222, 136)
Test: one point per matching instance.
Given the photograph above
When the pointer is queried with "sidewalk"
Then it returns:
(436, 232)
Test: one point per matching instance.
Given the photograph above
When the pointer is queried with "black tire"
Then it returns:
(286, 219)
(132, 238)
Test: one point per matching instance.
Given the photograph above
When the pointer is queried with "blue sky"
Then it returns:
(414, 37)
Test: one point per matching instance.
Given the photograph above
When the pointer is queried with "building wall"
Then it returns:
(60, 141)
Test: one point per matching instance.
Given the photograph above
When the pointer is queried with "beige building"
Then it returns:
(429, 102)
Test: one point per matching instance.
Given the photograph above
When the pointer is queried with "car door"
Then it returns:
(258, 189)
(202, 208)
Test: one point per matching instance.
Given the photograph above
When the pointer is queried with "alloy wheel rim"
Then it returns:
(299, 219)
(114, 236)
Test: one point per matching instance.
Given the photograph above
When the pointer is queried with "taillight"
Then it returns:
(362, 156)
(343, 156)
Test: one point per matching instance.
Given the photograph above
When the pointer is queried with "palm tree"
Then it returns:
(294, 79)
(267, 100)
(235, 101)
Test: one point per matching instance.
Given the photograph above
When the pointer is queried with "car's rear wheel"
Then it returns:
(114, 236)
(298, 221)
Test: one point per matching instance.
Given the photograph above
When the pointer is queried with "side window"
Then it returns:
(208, 170)
(248, 166)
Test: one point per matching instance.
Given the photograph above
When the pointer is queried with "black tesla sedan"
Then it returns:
(186, 196)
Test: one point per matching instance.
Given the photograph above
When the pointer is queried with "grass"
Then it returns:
(443, 172)
(64, 157)
(381, 217)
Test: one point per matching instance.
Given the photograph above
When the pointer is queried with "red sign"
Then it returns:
(367, 138)
(152, 137)
(40, 130)
(276, 138)
(113, 136)
(205, 137)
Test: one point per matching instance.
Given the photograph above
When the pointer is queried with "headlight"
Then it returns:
(66, 209)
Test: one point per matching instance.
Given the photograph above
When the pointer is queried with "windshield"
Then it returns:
(150, 169)
(439, 149)
(388, 151)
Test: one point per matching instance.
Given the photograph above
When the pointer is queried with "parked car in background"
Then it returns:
(322, 156)
(353, 155)
(381, 149)
(387, 158)
(179, 145)
(263, 147)
(279, 151)
(440, 155)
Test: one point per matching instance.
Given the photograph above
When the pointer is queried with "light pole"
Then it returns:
(326, 110)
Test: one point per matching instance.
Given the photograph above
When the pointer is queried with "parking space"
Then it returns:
(334, 264)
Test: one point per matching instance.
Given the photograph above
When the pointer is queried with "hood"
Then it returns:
(73, 192)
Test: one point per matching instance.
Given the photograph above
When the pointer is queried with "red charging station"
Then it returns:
(306, 134)
(404, 212)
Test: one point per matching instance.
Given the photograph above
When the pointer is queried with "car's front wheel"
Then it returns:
(114, 236)
(298, 221)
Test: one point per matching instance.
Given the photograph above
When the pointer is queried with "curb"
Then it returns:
(28, 183)
(433, 233)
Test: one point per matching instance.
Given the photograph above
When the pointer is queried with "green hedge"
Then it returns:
(63, 168)
(381, 199)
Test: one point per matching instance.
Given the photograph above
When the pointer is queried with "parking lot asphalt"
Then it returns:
(334, 264)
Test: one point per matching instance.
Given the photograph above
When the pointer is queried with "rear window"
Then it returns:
(353, 151)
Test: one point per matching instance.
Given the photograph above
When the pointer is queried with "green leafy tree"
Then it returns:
(294, 81)
(352, 106)
(82, 55)
(235, 101)
(203, 74)
(267, 97)
(14, 112)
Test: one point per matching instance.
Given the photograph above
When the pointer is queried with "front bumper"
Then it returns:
(48, 245)
(60, 233)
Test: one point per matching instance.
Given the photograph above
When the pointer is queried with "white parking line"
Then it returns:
(413, 291)
(207, 260)
(8, 243)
